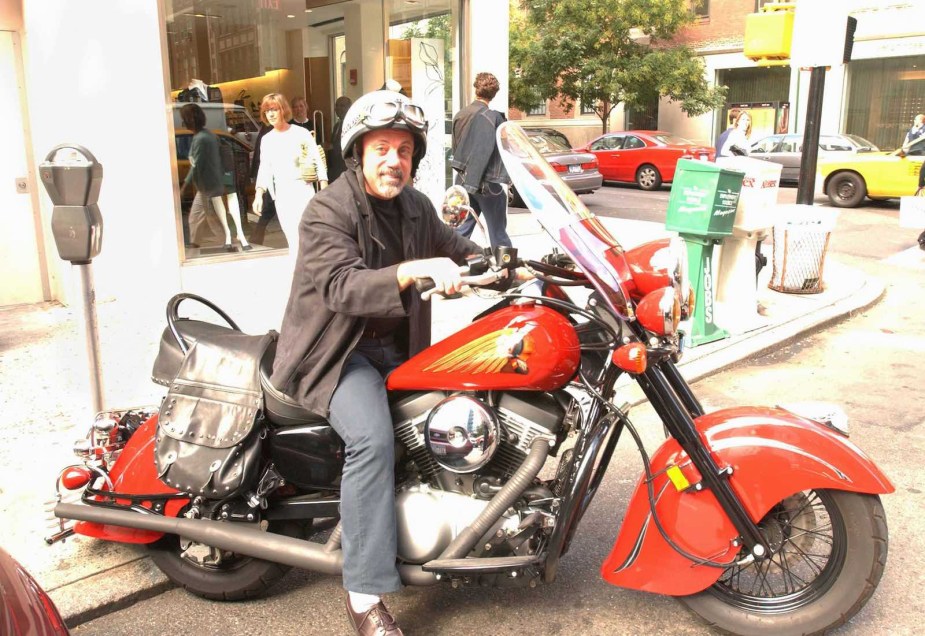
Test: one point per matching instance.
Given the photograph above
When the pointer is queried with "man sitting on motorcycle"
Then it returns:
(352, 318)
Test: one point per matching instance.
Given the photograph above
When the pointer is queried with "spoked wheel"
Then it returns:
(828, 552)
(217, 574)
(648, 177)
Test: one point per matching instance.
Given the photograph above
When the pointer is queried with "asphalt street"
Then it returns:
(868, 362)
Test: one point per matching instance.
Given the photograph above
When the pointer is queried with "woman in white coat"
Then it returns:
(290, 163)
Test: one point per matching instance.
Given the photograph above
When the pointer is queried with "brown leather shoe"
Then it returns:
(377, 621)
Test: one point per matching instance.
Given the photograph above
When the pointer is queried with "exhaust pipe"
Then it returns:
(234, 537)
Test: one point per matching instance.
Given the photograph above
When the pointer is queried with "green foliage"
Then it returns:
(435, 27)
(605, 52)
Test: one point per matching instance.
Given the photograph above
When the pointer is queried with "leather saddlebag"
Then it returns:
(208, 437)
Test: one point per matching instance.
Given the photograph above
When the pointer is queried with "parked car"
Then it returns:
(877, 175)
(646, 157)
(550, 132)
(787, 150)
(25, 608)
(578, 169)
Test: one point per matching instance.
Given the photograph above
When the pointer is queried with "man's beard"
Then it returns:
(390, 182)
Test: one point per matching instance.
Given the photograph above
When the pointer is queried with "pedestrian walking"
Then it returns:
(478, 163)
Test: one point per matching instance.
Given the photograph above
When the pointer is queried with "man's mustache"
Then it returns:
(395, 173)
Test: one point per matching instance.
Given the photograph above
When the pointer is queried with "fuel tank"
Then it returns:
(521, 347)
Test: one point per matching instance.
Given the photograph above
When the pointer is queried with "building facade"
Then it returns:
(876, 95)
(111, 76)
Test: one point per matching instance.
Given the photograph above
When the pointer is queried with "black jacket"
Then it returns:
(337, 284)
(475, 153)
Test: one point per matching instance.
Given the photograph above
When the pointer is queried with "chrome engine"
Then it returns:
(462, 449)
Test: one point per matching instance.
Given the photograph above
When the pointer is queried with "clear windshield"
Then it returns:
(565, 218)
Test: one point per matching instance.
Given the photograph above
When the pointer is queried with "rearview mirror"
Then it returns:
(455, 206)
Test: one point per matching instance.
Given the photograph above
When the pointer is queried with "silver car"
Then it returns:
(579, 170)
(787, 150)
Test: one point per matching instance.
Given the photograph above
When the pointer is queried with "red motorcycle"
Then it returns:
(761, 520)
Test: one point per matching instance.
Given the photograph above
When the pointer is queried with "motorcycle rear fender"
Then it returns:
(134, 473)
(773, 454)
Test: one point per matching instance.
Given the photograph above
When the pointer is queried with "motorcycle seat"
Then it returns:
(278, 407)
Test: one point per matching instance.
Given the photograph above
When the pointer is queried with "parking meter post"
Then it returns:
(807, 186)
(91, 332)
(72, 177)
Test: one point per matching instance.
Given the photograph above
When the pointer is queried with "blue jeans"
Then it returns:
(359, 412)
(492, 209)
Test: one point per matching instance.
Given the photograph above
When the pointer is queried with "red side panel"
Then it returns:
(773, 453)
(523, 347)
(135, 473)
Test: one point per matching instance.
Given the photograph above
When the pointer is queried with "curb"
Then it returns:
(109, 591)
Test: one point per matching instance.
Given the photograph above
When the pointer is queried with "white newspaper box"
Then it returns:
(737, 280)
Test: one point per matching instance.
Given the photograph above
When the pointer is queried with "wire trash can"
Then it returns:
(801, 239)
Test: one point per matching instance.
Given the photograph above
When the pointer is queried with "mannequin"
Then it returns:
(207, 175)
(235, 211)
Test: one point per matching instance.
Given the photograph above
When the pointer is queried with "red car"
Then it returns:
(646, 157)
(25, 608)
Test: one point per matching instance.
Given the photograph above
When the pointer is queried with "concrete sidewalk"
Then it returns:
(45, 397)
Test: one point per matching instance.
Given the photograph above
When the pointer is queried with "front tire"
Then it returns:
(829, 550)
(234, 578)
(846, 190)
(648, 177)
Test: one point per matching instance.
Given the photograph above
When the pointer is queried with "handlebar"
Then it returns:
(425, 286)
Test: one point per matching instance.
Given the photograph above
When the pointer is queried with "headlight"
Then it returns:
(660, 311)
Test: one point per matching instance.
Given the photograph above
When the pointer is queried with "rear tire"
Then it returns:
(648, 177)
(829, 552)
(235, 578)
(846, 189)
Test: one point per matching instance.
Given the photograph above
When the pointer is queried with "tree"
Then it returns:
(605, 52)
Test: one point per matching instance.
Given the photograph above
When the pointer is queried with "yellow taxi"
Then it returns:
(876, 175)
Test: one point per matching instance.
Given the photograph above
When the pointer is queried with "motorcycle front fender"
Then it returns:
(134, 473)
(772, 453)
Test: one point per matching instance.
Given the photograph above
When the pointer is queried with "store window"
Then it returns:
(701, 9)
(884, 96)
(224, 56)
(421, 49)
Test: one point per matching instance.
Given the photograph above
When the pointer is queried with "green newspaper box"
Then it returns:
(703, 199)
(702, 209)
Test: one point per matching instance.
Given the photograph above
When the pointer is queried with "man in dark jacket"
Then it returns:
(478, 163)
(352, 317)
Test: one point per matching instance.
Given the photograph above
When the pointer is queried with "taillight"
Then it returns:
(558, 167)
(74, 477)
(591, 165)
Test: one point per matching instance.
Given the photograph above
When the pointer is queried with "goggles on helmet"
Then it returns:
(384, 114)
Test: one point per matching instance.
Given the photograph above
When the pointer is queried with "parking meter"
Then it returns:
(72, 177)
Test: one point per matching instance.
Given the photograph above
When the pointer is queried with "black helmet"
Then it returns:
(384, 109)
